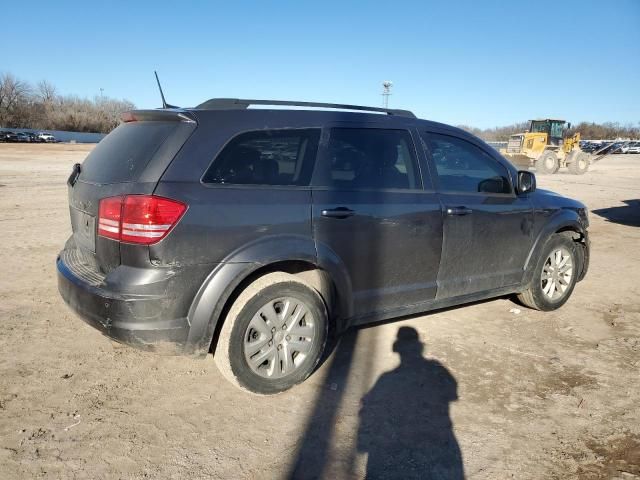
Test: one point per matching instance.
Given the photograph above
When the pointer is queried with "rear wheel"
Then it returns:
(273, 336)
(555, 275)
(547, 163)
(579, 163)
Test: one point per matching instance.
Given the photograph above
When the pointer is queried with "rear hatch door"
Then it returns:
(130, 160)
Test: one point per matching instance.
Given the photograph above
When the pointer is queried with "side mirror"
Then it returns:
(526, 182)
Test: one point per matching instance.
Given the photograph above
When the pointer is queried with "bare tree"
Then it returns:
(14, 94)
(46, 91)
(43, 108)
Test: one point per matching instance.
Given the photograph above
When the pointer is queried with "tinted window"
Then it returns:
(371, 158)
(266, 157)
(122, 155)
(463, 167)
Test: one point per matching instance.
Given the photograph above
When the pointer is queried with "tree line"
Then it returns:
(588, 131)
(23, 105)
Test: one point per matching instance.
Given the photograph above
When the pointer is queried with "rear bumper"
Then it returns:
(148, 321)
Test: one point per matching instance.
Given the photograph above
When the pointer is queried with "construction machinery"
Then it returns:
(547, 147)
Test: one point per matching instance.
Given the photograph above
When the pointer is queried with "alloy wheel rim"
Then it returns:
(557, 272)
(279, 338)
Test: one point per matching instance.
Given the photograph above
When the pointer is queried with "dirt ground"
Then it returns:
(498, 393)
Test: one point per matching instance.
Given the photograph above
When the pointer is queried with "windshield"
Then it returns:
(553, 128)
(539, 127)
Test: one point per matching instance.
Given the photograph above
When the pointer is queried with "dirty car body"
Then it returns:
(441, 223)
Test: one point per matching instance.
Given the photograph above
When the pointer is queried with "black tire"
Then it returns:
(236, 332)
(547, 163)
(534, 297)
(579, 163)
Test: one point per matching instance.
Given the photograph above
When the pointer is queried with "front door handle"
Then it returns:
(459, 211)
(340, 212)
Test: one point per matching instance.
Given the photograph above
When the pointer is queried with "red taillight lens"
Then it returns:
(142, 219)
(109, 214)
(147, 219)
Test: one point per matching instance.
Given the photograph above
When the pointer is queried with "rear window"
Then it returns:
(266, 157)
(122, 155)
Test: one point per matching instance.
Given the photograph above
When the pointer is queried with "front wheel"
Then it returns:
(547, 163)
(273, 336)
(555, 275)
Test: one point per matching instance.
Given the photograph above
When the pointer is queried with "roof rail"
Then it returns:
(242, 104)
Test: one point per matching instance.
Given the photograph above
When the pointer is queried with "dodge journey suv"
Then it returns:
(253, 232)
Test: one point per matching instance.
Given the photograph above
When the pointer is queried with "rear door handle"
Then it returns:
(340, 212)
(459, 211)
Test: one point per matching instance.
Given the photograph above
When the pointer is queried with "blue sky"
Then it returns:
(481, 63)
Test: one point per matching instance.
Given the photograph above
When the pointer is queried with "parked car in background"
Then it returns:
(46, 137)
(633, 147)
(619, 147)
(23, 137)
(251, 232)
(590, 147)
(27, 137)
(9, 137)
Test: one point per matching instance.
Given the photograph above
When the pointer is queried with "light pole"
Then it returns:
(386, 92)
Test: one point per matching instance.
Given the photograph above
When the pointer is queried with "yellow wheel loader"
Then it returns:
(546, 147)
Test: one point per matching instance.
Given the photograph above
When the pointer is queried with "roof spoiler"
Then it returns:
(158, 116)
(242, 104)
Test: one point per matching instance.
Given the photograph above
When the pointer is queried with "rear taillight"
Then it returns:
(141, 219)
(109, 214)
(147, 219)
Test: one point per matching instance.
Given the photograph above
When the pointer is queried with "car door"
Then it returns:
(487, 227)
(371, 211)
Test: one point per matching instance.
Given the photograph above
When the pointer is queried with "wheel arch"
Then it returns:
(565, 221)
(318, 268)
(579, 236)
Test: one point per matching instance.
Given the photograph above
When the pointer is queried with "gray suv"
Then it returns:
(252, 233)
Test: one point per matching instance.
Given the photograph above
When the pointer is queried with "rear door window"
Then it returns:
(370, 158)
(123, 154)
(465, 168)
(266, 157)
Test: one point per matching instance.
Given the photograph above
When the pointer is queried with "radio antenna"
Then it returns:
(164, 102)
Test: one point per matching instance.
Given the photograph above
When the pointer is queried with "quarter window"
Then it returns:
(371, 158)
(463, 167)
(266, 157)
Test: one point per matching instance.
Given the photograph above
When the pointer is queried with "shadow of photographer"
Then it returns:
(404, 419)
